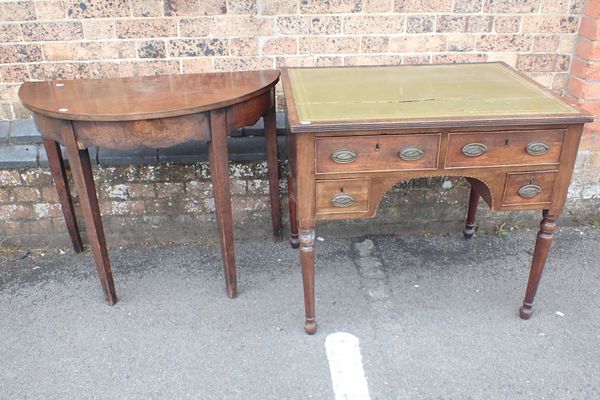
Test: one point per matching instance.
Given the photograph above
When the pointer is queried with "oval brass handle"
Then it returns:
(529, 191)
(537, 148)
(411, 153)
(474, 149)
(343, 156)
(342, 200)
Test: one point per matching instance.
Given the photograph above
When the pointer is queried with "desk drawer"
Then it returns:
(529, 188)
(377, 153)
(343, 196)
(487, 149)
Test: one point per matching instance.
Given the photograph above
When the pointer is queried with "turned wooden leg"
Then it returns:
(219, 171)
(59, 175)
(307, 261)
(81, 168)
(294, 242)
(273, 170)
(471, 213)
(540, 254)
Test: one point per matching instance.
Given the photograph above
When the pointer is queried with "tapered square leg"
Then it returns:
(57, 168)
(273, 170)
(540, 254)
(81, 168)
(471, 214)
(219, 170)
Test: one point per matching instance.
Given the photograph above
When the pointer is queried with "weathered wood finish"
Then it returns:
(144, 97)
(81, 167)
(360, 158)
(61, 183)
(156, 112)
(504, 148)
(270, 123)
(157, 133)
(540, 254)
(219, 171)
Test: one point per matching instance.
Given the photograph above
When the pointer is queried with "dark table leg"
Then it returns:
(307, 261)
(273, 170)
(59, 175)
(540, 254)
(290, 149)
(219, 171)
(81, 168)
(471, 213)
(294, 242)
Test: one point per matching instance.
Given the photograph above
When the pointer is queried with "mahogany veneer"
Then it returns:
(354, 132)
(157, 111)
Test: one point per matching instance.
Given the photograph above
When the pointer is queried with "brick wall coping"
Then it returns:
(21, 147)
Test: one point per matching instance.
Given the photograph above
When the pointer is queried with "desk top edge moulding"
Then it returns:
(156, 112)
(355, 132)
(405, 96)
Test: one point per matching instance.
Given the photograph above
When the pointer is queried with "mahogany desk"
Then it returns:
(355, 132)
(158, 111)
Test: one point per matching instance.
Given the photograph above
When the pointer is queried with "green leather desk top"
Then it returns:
(420, 91)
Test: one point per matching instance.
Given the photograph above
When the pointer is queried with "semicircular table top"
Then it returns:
(146, 97)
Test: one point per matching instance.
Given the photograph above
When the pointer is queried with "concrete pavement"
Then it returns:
(436, 317)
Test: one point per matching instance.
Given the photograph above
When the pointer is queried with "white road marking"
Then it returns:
(345, 364)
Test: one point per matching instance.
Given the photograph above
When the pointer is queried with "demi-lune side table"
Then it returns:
(156, 111)
(354, 132)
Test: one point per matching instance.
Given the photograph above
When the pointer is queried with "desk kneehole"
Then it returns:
(529, 187)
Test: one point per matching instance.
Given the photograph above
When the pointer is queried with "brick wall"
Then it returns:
(49, 39)
(104, 38)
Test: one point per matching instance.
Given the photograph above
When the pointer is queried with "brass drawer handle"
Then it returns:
(342, 200)
(529, 191)
(537, 148)
(474, 149)
(411, 153)
(343, 156)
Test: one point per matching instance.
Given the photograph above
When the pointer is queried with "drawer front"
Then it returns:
(377, 153)
(483, 149)
(343, 196)
(529, 188)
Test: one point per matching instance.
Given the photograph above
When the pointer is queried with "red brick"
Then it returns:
(15, 212)
(584, 90)
(589, 28)
(5, 196)
(20, 227)
(588, 50)
(10, 178)
(585, 70)
(45, 210)
(124, 207)
(141, 190)
(592, 107)
(17, 11)
(26, 194)
(49, 194)
(595, 142)
(592, 9)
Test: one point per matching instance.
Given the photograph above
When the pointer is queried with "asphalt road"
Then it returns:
(435, 316)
